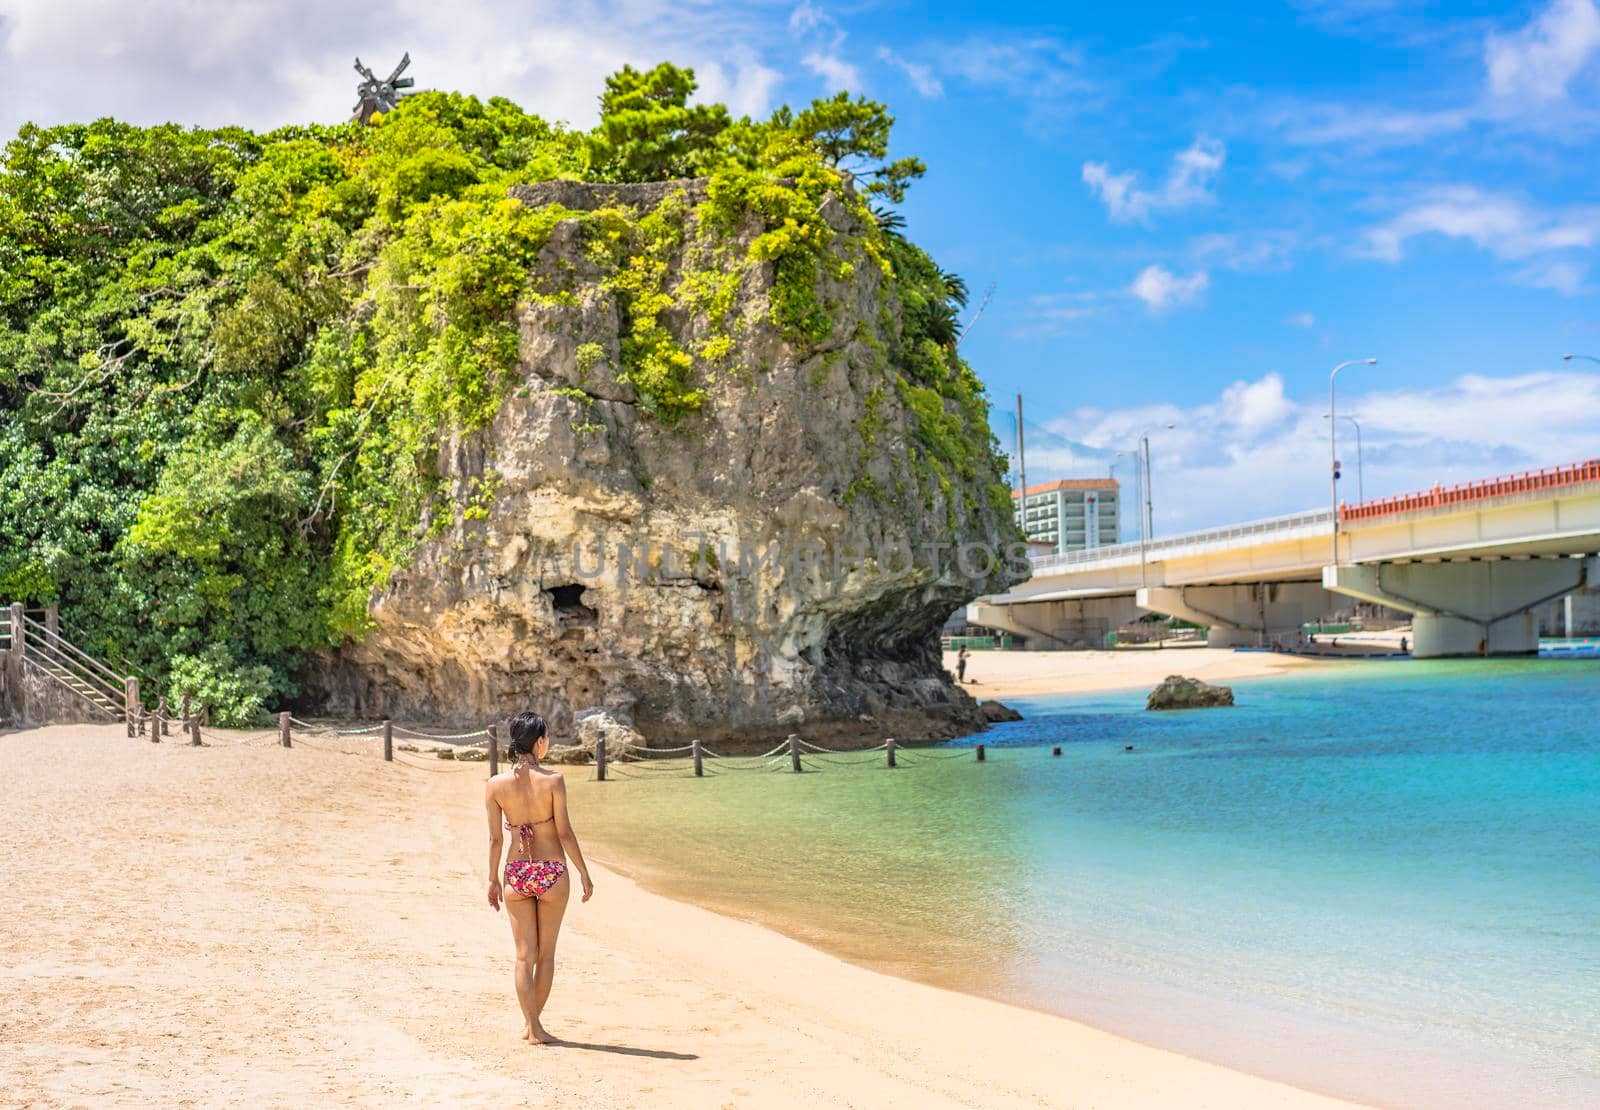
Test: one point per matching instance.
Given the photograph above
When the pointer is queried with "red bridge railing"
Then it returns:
(1531, 481)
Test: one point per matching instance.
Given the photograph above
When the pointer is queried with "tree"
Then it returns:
(648, 131)
(853, 135)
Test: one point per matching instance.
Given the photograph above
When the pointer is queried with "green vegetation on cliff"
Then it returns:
(227, 360)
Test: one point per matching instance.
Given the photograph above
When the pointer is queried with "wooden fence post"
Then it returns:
(19, 635)
(130, 705)
(183, 712)
(600, 759)
(699, 763)
(194, 732)
(888, 750)
(494, 750)
(205, 715)
(794, 750)
(283, 729)
(388, 740)
(163, 726)
(980, 753)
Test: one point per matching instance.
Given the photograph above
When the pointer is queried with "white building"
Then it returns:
(1071, 514)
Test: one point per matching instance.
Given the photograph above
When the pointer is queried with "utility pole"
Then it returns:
(1022, 472)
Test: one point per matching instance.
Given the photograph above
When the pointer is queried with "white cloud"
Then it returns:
(264, 65)
(1566, 278)
(1160, 289)
(1247, 252)
(1524, 85)
(1505, 226)
(1036, 67)
(1301, 320)
(838, 73)
(808, 17)
(1255, 450)
(1188, 183)
(1537, 63)
(1054, 314)
(1371, 127)
(920, 76)
(822, 32)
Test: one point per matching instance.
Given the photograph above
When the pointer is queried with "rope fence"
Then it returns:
(692, 760)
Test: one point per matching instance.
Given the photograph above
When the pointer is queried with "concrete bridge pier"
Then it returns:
(1246, 614)
(1471, 607)
(1070, 623)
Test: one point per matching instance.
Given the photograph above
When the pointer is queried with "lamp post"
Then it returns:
(1333, 447)
(1147, 520)
(1361, 481)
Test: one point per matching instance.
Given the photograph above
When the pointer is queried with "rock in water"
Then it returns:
(994, 712)
(1178, 692)
(785, 551)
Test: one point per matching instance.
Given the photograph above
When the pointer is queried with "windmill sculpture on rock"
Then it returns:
(380, 95)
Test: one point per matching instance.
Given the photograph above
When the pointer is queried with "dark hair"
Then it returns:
(527, 729)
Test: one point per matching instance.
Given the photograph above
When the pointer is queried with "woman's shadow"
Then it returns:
(625, 1050)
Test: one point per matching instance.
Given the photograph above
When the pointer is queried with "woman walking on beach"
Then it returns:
(532, 803)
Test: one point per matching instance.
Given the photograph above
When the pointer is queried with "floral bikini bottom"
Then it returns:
(533, 877)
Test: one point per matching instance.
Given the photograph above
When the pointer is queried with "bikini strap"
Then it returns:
(525, 830)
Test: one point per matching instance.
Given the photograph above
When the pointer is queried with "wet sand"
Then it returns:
(248, 924)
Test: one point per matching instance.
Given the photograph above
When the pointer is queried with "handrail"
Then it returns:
(73, 648)
(1529, 481)
(70, 629)
(57, 679)
(1263, 526)
(77, 670)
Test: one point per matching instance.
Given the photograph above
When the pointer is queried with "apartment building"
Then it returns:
(1071, 514)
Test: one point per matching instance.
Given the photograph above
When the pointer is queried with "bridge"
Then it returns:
(1470, 562)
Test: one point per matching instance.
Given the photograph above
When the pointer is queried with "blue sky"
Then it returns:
(1187, 215)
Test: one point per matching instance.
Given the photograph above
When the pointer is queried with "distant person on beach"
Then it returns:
(1404, 645)
(532, 803)
(961, 664)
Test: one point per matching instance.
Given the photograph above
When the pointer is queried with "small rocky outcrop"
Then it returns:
(1179, 692)
(591, 726)
(995, 712)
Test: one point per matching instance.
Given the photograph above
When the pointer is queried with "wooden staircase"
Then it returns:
(42, 650)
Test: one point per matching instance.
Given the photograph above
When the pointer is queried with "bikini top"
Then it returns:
(525, 831)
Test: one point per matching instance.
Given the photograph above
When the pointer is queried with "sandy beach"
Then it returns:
(1009, 674)
(244, 923)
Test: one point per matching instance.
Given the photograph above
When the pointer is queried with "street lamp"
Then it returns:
(1361, 482)
(1333, 448)
(1147, 519)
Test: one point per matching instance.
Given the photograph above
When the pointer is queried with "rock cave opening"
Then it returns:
(570, 611)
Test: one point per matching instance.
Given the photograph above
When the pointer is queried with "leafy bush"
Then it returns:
(236, 694)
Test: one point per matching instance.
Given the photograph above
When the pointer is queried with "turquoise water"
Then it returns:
(1380, 881)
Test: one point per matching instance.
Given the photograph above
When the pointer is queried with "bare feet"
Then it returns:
(540, 1035)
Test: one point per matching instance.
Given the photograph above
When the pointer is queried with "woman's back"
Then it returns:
(526, 795)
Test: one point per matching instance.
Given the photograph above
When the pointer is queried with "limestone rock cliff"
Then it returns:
(763, 561)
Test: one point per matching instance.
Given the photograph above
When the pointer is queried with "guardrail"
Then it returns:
(1529, 481)
(1220, 537)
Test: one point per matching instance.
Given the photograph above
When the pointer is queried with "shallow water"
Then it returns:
(1379, 881)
